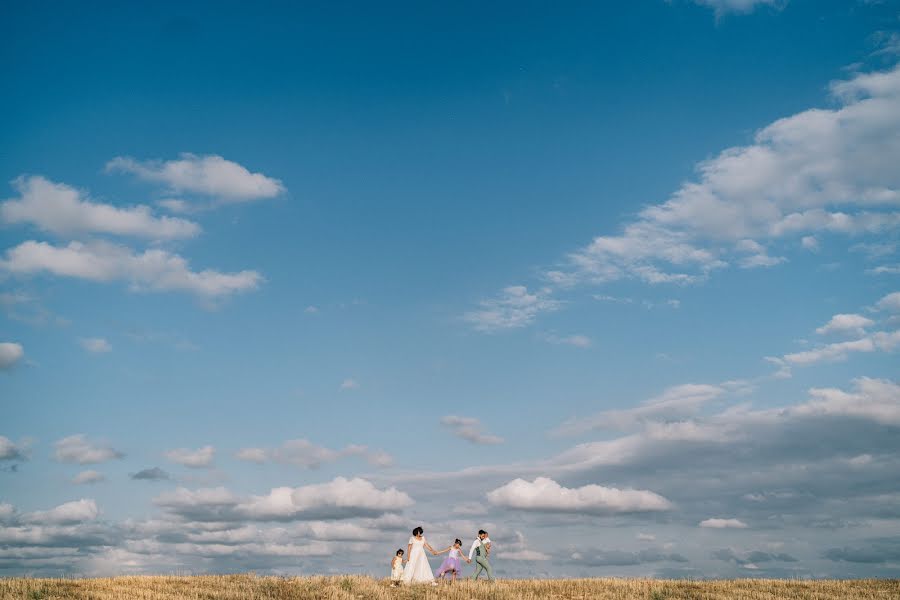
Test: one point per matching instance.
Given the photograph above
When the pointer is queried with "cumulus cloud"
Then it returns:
(303, 453)
(65, 514)
(10, 354)
(846, 324)
(781, 184)
(469, 429)
(88, 476)
(717, 523)
(95, 345)
(9, 450)
(545, 495)
(209, 175)
(64, 210)
(79, 449)
(197, 459)
(876, 400)
(815, 172)
(889, 303)
(514, 308)
(151, 474)
(337, 499)
(152, 270)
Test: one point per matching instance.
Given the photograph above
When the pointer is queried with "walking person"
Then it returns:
(481, 550)
(417, 568)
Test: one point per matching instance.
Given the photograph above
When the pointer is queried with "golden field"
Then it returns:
(249, 586)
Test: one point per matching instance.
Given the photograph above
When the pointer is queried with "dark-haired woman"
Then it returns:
(417, 568)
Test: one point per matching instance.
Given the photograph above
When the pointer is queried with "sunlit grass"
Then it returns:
(235, 587)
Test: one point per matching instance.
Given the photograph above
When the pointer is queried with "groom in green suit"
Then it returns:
(481, 550)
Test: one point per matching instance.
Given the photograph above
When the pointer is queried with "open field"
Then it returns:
(235, 587)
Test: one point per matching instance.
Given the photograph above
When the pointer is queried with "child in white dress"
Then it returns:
(397, 568)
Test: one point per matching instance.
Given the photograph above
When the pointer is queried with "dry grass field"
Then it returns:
(242, 587)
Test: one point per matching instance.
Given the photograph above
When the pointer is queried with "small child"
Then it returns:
(453, 561)
(397, 568)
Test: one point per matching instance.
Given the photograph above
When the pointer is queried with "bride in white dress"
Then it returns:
(417, 568)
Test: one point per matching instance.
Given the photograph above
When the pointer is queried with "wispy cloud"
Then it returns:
(95, 345)
(515, 307)
(469, 429)
(303, 453)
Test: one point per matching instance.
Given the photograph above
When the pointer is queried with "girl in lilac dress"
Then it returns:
(453, 562)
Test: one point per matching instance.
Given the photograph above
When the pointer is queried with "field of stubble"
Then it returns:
(235, 587)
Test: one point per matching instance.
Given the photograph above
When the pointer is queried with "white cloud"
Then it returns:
(95, 345)
(88, 476)
(545, 495)
(61, 209)
(890, 303)
(336, 498)
(514, 308)
(578, 340)
(846, 324)
(814, 172)
(470, 429)
(877, 400)
(884, 270)
(348, 384)
(339, 498)
(723, 7)
(723, 524)
(78, 511)
(176, 206)
(10, 354)
(838, 351)
(675, 402)
(646, 537)
(200, 458)
(257, 455)
(151, 270)
(78, 449)
(303, 453)
(810, 242)
(208, 175)
(757, 255)
(9, 450)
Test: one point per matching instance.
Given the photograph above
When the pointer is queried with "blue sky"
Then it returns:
(617, 281)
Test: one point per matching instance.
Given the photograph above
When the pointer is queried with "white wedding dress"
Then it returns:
(417, 568)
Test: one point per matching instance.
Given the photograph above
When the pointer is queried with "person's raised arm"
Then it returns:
(447, 549)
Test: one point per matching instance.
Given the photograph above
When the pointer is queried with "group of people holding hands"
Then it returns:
(418, 570)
